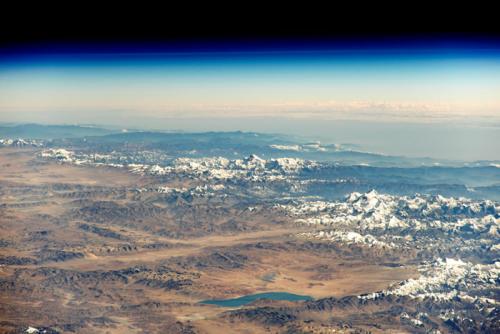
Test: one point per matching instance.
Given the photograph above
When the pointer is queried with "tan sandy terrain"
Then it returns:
(17, 166)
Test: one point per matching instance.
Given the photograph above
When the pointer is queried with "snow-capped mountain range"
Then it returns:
(20, 142)
(374, 211)
(421, 223)
(251, 168)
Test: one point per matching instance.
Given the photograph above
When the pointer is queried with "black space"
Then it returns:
(84, 24)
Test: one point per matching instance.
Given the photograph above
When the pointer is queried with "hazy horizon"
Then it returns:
(411, 100)
(439, 141)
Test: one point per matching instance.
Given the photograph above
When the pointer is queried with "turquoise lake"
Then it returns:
(240, 301)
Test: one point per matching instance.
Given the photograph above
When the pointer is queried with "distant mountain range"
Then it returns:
(235, 144)
(37, 131)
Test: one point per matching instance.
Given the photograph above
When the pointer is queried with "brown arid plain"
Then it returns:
(82, 251)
